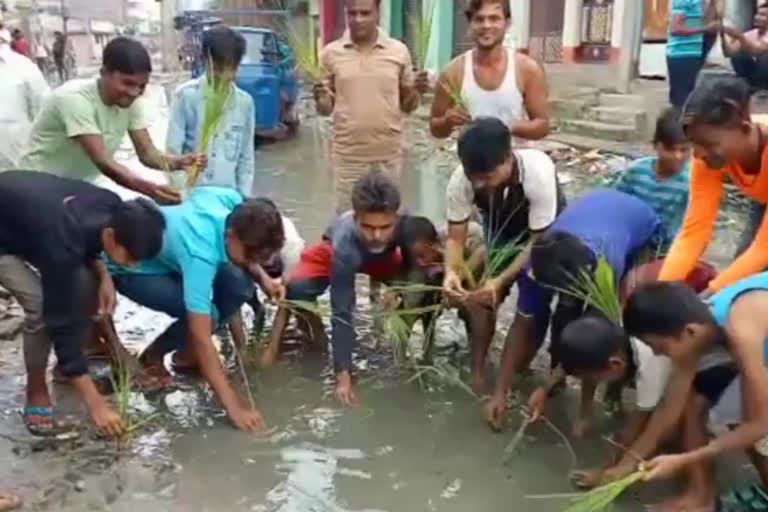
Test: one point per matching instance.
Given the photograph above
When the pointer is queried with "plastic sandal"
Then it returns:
(51, 427)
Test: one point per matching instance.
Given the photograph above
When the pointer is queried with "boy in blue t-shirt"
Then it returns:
(662, 180)
(675, 322)
(685, 47)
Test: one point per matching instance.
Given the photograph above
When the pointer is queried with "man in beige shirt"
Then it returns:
(369, 84)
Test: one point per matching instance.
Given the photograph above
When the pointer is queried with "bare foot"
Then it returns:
(154, 367)
(9, 502)
(687, 502)
(270, 355)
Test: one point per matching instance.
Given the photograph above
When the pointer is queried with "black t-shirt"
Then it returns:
(55, 224)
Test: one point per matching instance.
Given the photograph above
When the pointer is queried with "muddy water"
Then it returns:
(404, 448)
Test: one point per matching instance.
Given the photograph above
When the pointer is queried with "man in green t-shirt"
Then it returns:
(82, 123)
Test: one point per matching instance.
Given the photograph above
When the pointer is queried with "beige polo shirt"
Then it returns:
(367, 120)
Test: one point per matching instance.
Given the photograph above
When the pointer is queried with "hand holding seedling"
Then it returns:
(537, 402)
(452, 284)
(191, 160)
(456, 116)
(495, 410)
(274, 288)
(488, 294)
(323, 97)
(247, 419)
(665, 466)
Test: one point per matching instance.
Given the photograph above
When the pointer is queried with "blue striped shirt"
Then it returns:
(668, 197)
(685, 46)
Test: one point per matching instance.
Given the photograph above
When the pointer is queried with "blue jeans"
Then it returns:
(165, 293)
(682, 73)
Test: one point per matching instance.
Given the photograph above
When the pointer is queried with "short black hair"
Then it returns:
(414, 228)
(664, 308)
(258, 224)
(475, 6)
(669, 131)
(375, 193)
(484, 144)
(717, 102)
(587, 344)
(126, 55)
(223, 45)
(558, 257)
(377, 2)
(139, 226)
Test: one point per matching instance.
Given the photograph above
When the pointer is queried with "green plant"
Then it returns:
(122, 386)
(217, 88)
(598, 289)
(303, 43)
(421, 28)
(446, 373)
(454, 92)
(601, 498)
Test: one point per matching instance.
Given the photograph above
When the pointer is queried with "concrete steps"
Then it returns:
(602, 115)
(596, 129)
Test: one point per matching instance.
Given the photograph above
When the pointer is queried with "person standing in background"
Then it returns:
(82, 123)
(59, 50)
(23, 89)
(494, 81)
(685, 47)
(231, 147)
(20, 44)
(369, 83)
(41, 54)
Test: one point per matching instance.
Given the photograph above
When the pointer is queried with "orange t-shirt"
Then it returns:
(706, 188)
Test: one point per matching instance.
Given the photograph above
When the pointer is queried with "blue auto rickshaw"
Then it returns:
(267, 74)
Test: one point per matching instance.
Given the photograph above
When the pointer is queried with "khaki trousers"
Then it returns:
(347, 170)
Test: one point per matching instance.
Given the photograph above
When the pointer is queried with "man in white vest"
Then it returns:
(492, 80)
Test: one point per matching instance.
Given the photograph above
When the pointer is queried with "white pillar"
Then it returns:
(572, 29)
(621, 9)
(521, 23)
(168, 37)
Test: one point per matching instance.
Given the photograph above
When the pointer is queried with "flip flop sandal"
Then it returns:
(9, 502)
(52, 427)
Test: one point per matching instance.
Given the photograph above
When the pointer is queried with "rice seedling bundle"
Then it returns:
(599, 289)
(454, 92)
(421, 28)
(216, 93)
(601, 498)
(303, 43)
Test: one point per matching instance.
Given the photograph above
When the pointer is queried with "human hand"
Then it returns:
(274, 288)
(321, 92)
(452, 284)
(421, 82)
(106, 419)
(495, 410)
(247, 419)
(106, 297)
(537, 402)
(587, 478)
(488, 295)
(714, 26)
(199, 160)
(457, 116)
(163, 194)
(665, 466)
(706, 294)
(345, 390)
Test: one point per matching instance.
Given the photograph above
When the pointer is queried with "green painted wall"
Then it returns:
(396, 28)
(441, 41)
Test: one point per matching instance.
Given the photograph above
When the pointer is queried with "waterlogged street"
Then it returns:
(408, 446)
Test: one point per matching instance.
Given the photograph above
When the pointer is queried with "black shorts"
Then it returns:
(712, 382)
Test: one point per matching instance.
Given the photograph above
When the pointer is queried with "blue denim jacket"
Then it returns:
(230, 150)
